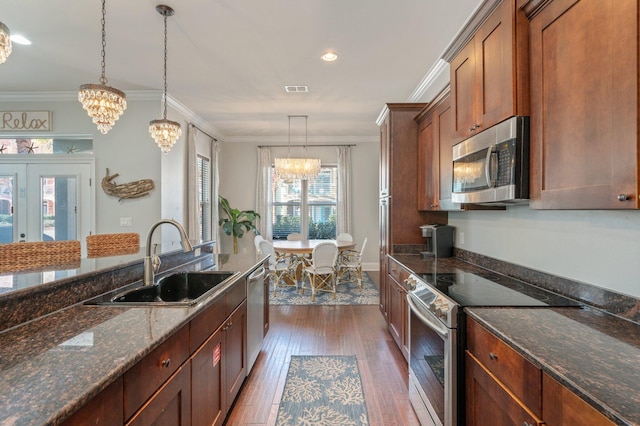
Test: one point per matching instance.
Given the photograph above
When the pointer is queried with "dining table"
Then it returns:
(307, 246)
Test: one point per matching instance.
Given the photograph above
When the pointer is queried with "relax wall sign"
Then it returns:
(25, 121)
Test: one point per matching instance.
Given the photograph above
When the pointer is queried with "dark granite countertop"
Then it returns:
(51, 366)
(594, 354)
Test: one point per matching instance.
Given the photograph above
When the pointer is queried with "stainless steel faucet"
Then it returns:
(151, 265)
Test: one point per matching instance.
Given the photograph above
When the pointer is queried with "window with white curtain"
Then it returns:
(204, 197)
(305, 206)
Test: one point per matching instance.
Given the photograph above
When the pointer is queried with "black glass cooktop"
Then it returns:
(489, 289)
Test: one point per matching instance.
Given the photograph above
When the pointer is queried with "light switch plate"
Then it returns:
(126, 221)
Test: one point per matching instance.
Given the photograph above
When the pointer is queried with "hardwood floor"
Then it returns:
(327, 330)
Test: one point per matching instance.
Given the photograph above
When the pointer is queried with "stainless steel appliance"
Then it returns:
(255, 315)
(437, 334)
(493, 166)
(439, 240)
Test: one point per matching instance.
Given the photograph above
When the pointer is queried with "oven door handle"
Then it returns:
(429, 319)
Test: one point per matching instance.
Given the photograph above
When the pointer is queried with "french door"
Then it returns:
(46, 199)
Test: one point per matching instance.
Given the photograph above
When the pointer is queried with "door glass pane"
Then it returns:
(58, 219)
(6, 208)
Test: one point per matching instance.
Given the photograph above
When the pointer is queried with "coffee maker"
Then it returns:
(439, 240)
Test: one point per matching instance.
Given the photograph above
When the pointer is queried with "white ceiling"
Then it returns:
(229, 60)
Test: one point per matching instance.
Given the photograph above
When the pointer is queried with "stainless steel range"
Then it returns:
(437, 334)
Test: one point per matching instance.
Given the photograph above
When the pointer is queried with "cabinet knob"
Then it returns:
(166, 363)
(624, 197)
(493, 356)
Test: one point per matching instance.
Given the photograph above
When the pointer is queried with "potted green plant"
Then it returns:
(237, 222)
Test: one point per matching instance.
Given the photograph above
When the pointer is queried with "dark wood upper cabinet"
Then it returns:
(584, 104)
(490, 74)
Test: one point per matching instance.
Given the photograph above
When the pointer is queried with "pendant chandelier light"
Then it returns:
(5, 42)
(165, 132)
(104, 104)
(297, 168)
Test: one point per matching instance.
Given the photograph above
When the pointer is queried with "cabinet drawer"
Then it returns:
(144, 378)
(236, 294)
(519, 375)
(563, 407)
(396, 271)
(207, 322)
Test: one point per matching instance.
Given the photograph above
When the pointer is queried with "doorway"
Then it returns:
(42, 199)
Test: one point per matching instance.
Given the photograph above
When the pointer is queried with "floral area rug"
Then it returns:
(347, 293)
(322, 390)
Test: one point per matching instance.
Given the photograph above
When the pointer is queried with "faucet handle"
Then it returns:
(155, 259)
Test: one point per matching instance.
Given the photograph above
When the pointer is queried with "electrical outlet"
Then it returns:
(461, 237)
(126, 221)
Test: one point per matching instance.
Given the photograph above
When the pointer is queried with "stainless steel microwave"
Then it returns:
(492, 167)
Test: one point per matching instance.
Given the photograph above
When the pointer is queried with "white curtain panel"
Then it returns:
(215, 190)
(193, 204)
(263, 193)
(343, 216)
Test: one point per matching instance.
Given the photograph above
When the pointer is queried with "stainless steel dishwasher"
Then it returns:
(255, 315)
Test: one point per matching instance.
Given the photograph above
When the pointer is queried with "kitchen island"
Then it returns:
(55, 364)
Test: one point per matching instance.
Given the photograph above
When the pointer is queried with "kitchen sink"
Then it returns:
(178, 289)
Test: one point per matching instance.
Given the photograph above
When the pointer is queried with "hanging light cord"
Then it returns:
(103, 78)
(165, 67)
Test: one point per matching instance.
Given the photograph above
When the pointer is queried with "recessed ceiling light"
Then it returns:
(20, 39)
(329, 56)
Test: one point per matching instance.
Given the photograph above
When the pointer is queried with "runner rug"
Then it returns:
(347, 293)
(322, 390)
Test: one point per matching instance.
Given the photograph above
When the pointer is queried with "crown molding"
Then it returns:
(195, 119)
(311, 140)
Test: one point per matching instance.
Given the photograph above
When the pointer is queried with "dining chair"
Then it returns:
(321, 272)
(295, 236)
(280, 267)
(256, 242)
(350, 265)
(344, 237)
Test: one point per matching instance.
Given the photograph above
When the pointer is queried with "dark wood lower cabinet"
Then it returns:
(171, 405)
(104, 409)
(207, 372)
(489, 403)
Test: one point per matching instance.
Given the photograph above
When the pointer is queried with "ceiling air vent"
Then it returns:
(296, 89)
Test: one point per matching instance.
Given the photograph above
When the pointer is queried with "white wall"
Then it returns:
(601, 248)
(238, 165)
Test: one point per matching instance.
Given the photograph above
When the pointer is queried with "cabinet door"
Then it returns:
(428, 164)
(383, 250)
(395, 311)
(171, 405)
(384, 159)
(104, 409)
(563, 407)
(494, 50)
(489, 403)
(235, 367)
(584, 101)
(207, 394)
(464, 92)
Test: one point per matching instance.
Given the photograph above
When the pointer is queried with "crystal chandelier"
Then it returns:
(297, 168)
(104, 104)
(5, 42)
(165, 132)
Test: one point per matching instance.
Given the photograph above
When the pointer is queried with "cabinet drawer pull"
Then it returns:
(526, 424)
(166, 363)
(493, 356)
(624, 197)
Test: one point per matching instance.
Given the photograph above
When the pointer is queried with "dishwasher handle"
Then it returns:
(258, 274)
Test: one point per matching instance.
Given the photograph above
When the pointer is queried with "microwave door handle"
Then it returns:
(492, 152)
